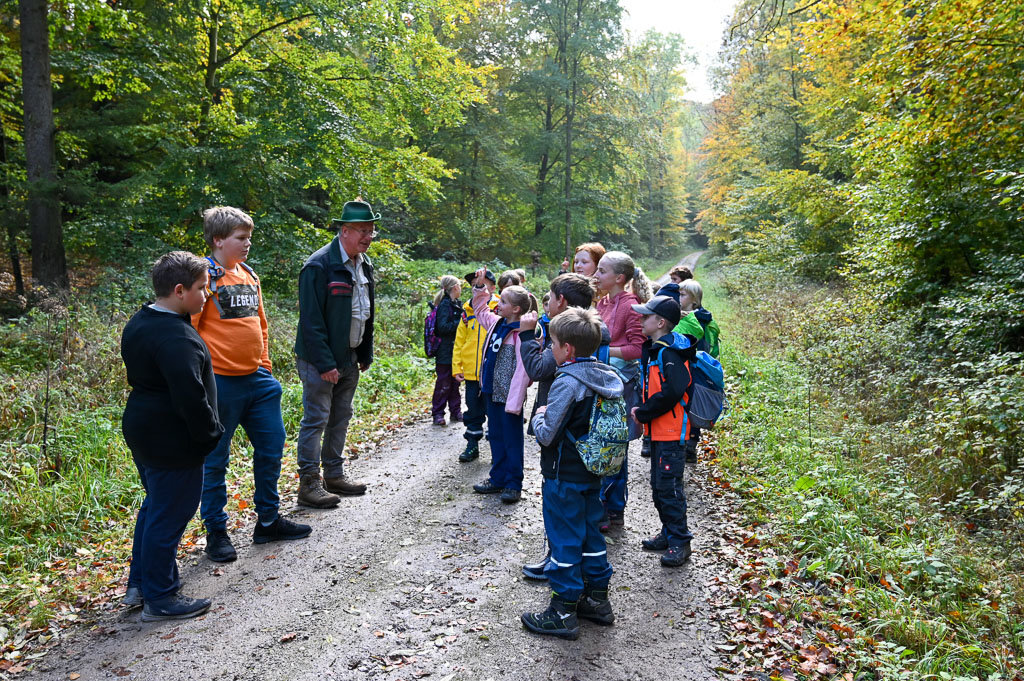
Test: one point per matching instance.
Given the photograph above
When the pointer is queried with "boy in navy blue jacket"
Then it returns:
(578, 570)
(170, 423)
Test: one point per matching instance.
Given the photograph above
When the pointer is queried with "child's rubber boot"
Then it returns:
(594, 604)
(558, 620)
(470, 453)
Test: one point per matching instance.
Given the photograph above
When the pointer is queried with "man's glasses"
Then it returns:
(365, 232)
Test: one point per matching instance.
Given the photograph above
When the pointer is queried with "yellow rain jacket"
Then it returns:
(467, 355)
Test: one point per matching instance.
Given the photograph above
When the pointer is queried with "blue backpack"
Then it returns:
(431, 342)
(707, 391)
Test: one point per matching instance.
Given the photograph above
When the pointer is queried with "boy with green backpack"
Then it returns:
(582, 389)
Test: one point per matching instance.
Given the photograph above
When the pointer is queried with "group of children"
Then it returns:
(197, 359)
(602, 336)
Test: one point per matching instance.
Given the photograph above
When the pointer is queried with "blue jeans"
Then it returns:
(572, 518)
(505, 433)
(172, 496)
(254, 402)
(326, 412)
(667, 461)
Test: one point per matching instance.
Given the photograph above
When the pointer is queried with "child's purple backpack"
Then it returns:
(431, 343)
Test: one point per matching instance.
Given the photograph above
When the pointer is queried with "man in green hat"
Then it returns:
(333, 345)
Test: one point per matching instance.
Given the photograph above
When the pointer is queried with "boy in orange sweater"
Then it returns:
(234, 327)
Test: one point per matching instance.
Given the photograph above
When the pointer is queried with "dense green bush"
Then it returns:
(952, 417)
(877, 471)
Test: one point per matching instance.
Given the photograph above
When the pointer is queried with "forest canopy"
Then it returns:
(479, 127)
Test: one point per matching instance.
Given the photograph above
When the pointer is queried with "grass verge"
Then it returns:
(845, 569)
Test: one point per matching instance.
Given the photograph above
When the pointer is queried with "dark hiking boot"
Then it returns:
(176, 607)
(487, 487)
(282, 528)
(691, 451)
(616, 518)
(510, 496)
(440, 422)
(558, 620)
(218, 546)
(535, 570)
(470, 453)
(676, 555)
(132, 597)
(656, 543)
(342, 485)
(595, 606)
(313, 494)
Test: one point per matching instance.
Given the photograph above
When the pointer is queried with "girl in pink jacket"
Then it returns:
(503, 384)
(623, 285)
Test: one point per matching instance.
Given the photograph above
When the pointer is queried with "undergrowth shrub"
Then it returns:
(823, 446)
(952, 415)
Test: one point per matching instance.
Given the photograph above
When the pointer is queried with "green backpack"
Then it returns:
(603, 448)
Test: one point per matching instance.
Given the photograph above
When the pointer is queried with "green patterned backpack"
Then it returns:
(603, 448)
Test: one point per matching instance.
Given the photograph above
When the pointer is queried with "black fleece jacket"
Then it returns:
(170, 419)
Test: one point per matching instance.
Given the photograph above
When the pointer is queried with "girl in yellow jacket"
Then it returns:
(467, 357)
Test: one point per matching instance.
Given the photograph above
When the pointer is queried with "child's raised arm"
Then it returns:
(481, 297)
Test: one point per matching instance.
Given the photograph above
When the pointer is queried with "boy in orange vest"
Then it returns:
(666, 358)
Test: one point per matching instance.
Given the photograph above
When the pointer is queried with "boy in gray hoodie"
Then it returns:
(578, 571)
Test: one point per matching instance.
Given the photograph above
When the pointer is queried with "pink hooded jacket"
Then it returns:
(489, 319)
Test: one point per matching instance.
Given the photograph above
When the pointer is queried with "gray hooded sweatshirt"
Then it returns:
(569, 404)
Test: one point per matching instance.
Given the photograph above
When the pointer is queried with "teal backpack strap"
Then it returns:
(216, 272)
(250, 271)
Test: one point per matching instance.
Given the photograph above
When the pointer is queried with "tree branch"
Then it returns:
(807, 6)
(257, 34)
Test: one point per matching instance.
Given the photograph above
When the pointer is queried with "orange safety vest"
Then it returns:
(673, 425)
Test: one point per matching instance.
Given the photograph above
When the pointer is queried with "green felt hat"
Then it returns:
(355, 211)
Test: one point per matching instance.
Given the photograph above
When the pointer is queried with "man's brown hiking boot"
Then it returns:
(312, 493)
(342, 485)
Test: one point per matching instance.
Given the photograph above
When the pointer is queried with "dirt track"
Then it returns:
(419, 577)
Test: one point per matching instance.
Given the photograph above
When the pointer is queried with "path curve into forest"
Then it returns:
(418, 577)
(688, 261)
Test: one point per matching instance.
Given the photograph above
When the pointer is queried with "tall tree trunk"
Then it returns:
(8, 216)
(49, 265)
(569, 116)
(539, 218)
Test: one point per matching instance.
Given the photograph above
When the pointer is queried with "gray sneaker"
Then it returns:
(176, 607)
(282, 528)
(132, 597)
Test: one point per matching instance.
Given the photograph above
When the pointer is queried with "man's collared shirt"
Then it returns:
(360, 296)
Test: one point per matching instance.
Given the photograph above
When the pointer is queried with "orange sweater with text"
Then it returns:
(236, 334)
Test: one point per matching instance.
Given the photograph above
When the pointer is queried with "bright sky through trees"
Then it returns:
(699, 22)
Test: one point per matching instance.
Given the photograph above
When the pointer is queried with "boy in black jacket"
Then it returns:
(666, 359)
(567, 290)
(578, 570)
(170, 424)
